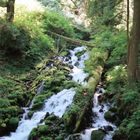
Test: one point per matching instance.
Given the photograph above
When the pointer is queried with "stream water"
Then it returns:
(99, 122)
(56, 104)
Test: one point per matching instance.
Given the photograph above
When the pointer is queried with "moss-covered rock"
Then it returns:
(13, 123)
(97, 135)
(110, 116)
(53, 128)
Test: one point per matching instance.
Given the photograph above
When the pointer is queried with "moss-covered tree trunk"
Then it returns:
(133, 68)
(10, 10)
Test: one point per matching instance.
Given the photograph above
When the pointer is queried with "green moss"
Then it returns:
(57, 23)
(97, 135)
(13, 123)
(109, 116)
(4, 103)
(53, 128)
(44, 129)
(30, 114)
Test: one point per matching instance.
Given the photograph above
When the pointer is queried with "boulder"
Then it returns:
(13, 123)
(100, 98)
(74, 137)
(97, 135)
(108, 128)
(110, 116)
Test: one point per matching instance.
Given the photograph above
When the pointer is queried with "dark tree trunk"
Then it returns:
(10, 10)
(133, 68)
(128, 21)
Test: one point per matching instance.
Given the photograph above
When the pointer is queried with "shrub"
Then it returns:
(4, 103)
(97, 58)
(14, 40)
(116, 78)
(114, 42)
(57, 23)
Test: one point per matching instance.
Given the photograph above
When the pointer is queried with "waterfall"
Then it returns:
(56, 104)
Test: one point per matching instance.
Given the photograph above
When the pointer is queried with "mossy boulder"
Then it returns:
(43, 129)
(53, 128)
(30, 114)
(97, 135)
(110, 116)
(13, 123)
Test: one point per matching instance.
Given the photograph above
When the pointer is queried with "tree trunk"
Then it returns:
(133, 68)
(10, 10)
(127, 24)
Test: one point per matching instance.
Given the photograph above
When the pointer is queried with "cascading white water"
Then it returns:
(99, 121)
(56, 104)
(78, 73)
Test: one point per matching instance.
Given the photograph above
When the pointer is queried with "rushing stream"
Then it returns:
(56, 104)
(99, 121)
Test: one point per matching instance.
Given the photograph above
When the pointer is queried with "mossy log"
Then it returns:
(91, 82)
(72, 40)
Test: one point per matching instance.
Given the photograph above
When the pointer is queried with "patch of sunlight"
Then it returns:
(2, 11)
(31, 5)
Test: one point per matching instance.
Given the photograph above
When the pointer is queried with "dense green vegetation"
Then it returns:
(23, 44)
(120, 92)
(27, 47)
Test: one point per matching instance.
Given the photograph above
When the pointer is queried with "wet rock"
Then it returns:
(108, 128)
(67, 59)
(100, 98)
(79, 58)
(101, 90)
(69, 77)
(110, 116)
(47, 115)
(71, 66)
(101, 110)
(75, 137)
(76, 64)
(97, 135)
(29, 115)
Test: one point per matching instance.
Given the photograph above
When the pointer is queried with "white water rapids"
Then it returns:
(99, 121)
(56, 104)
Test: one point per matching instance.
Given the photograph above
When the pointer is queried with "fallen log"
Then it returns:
(72, 40)
(93, 80)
